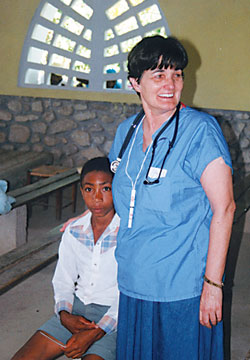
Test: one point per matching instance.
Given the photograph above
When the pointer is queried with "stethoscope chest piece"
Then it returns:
(114, 165)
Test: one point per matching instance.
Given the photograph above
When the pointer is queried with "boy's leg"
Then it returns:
(92, 357)
(38, 347)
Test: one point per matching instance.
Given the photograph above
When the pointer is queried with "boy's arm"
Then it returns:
(64, 286)
(65, 275)
(108, 322)
(76, 323)
(79, 343)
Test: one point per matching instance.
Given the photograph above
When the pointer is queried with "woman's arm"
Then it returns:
(216, 181)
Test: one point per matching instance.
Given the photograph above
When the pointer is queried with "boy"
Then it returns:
(85, 286)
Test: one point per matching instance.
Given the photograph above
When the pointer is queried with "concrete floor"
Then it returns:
(30, 303)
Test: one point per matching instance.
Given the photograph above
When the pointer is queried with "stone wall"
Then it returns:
(74, 131)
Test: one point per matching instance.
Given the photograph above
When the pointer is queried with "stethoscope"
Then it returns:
(114, 165)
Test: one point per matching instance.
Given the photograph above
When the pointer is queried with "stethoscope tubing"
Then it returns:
(114, 165)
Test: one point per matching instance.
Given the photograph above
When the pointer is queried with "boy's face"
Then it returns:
(96, 192)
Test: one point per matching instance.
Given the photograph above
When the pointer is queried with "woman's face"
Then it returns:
(160, 90)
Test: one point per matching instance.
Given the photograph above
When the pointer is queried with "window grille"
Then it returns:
(83, 45)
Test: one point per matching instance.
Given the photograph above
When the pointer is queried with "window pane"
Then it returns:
(159, 31)
(108, 34)
(83, 9)
(127, 45)
(126, 26)
(113, 84)
(64, 43)
(149, 15)
(117, 9)
(57, 79)
(115, 68)
(79, 82)
(66, 2)
(111, 50)
(125, 66)
(60, 61)
(135, 2)
(72, 25)
(128, 86)
(35, 77)
(43, 34)
(87, 35)
(51, 13)
(37, 56)
(83, 51)
(80, 66)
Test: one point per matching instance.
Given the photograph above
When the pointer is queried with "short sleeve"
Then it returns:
(206, 145)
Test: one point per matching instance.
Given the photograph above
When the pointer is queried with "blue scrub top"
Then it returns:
(162, 256)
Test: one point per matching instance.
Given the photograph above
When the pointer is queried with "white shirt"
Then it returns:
(92, 266)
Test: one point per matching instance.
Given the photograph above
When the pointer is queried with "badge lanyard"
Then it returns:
(134, 127)
(133, 191)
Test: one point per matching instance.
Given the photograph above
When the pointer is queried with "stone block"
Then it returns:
(13, 229)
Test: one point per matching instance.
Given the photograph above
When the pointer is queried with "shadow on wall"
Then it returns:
(194, 62)
(238, 229)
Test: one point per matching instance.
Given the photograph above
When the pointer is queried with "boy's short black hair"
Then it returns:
(96, 164)
(146, 55)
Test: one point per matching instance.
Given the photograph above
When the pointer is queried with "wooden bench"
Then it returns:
(15, 164)
(56, 183)
(13, 226)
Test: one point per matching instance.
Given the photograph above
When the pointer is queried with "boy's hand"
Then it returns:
(79, 343)
(76, 323)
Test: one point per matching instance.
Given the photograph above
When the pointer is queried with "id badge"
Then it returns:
(154, 172)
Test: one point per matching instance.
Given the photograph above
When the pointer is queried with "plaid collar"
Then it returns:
(81, 229)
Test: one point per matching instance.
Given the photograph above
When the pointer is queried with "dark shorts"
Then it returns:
(165, 330)
(105, 347)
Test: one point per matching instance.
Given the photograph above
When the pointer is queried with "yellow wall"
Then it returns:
(215, 34)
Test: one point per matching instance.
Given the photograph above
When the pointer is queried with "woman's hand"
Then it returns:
(210, 305)
(79, 343)
(76, 323)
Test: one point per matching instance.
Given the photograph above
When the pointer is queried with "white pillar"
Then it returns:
(13, 229)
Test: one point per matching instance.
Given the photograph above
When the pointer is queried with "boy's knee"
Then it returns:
(92, 357)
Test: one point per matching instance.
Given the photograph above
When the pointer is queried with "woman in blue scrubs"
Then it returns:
(173, 192)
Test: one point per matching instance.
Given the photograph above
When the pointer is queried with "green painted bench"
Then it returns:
(44, 187)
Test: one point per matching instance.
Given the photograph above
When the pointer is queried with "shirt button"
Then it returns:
(92, 284)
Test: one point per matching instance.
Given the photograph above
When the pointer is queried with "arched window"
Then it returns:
(83, 45)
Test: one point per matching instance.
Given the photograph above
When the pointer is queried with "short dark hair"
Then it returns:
(145, 55)
(96, 164)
